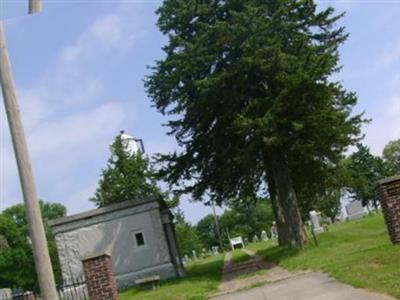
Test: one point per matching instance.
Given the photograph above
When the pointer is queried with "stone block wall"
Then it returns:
(389, 195)
(100, 280)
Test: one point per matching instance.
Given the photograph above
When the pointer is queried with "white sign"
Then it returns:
(236, 241)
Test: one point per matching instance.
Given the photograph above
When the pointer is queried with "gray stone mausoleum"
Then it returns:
(139, 235)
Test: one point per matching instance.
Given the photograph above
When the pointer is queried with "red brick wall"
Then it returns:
(389, 195)
(100, 278)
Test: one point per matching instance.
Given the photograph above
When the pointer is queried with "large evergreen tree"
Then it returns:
(247, 86)
(126, 177)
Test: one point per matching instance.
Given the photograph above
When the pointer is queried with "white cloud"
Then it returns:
(108, 33)
(76, 131)
(68, 121)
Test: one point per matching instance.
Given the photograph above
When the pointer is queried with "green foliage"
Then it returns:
(16, 260)
(188, 239)
(243, 218)
(126, 177)
(364, 170)
(249, 81)
(329, 203)
(324, 192)
(391, 155)
(247, 86)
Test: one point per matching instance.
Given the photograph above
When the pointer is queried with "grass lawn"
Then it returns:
(203, 277)
(357, 252)
(239, 256)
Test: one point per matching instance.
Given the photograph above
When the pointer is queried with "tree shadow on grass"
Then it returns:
(202, 277)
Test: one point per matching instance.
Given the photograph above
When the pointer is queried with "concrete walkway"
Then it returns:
(256, 279)
(237, 276)
(308, 286)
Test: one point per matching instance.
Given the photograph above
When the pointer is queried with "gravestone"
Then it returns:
(203, 252)
(186, 259)
(314, 218)
(355, 210)
(215, 250)
(194, 254)
(255, 238)
(264, 236)
(274, 231)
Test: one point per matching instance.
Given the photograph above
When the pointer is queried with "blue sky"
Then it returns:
(79, 69)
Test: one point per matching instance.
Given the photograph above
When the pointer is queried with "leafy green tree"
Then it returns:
(247, 217)
(188, 239)
(328, 203)
(242, 218)
(207, 231)
(391, 155)
(247, 86)
(126, 177)
(16, 258)
(364, 170)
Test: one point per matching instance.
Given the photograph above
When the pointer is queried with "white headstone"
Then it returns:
(194, 254)
(215, 250)
(274, 231)
(355, 210)
(264, 236)
(314, 218)
(255, 238)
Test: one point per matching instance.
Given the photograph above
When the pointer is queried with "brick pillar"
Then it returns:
(389, 195)
(100, 280)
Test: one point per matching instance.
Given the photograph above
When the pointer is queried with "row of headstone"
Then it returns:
(264, 236)
(204, 253)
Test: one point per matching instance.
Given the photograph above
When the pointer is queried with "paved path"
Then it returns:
(236, 276)
(276, 283)
(309, 286)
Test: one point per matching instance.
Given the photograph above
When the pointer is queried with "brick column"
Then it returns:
(100, 280)
(389, 195)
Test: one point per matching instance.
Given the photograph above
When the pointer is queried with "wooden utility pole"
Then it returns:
(36, 229)
(35, 6)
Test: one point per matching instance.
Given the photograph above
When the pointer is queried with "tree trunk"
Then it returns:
(286, 210)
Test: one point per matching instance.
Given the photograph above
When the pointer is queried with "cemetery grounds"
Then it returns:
(358, 253)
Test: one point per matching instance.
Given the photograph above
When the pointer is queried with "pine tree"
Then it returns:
(247, 86)
(126, 177)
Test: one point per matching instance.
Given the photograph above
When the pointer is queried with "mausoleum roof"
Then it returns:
(105, 210)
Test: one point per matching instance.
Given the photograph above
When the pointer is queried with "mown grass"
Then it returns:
(357, 252)
(202, 278)
(239, 256)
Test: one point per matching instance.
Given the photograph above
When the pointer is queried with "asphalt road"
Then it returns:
(309, 286)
